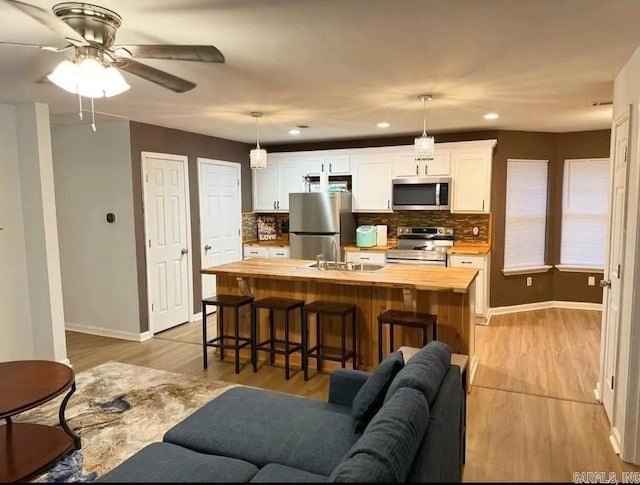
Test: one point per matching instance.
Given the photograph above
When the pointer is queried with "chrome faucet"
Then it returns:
(321, 262)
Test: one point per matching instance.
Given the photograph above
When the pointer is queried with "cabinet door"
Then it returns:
(366, 257)
(264, 188)
(290, 180)
(372, 182)
(255, 252)
(471, 181)
(313, 165)
(338, 164)
(407, 166)
(440, 165)
(279, 252)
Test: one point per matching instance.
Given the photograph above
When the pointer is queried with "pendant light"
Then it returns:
(424, 144)
(258, 156)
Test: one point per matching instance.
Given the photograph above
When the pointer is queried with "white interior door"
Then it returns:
(612, 296)
(167, 233)
(220, 217)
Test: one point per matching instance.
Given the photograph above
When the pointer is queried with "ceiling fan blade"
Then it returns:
(49, 20)
(48, 48)
(154, 75)
(198, 53)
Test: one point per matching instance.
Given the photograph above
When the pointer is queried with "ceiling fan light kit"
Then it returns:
(257, 156)
(89, 78)
(424, 145)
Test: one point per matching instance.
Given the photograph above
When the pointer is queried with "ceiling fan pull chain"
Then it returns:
(80, 101)
(93, 117)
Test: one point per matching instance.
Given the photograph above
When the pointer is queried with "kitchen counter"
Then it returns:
(470, 249)
(391, 244)
(423, 278)
(448, 293)
(276, 243)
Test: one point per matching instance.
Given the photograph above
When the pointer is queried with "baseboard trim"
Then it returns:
(614, 439)
(597, 393)
(543, 305)
(106, 332)
(473, 369)
(196, 317)
(66, 362)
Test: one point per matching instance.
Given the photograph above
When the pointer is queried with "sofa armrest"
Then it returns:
(344, 384)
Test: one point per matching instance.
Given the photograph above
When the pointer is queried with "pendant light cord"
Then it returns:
(257, 132)
(424, 117)
(93, 117)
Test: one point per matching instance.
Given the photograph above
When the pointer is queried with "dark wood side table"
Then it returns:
(27, 449)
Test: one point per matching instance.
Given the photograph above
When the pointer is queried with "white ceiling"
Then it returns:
(341, 66)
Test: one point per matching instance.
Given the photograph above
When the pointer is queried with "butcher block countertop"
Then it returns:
(470, 249)
(391, 244)
(424, 278)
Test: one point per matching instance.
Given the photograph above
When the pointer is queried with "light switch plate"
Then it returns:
(529, 280)
(591, 281)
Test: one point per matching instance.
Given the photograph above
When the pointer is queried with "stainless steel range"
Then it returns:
(422, 245)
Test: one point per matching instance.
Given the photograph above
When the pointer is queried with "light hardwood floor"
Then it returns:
(530, 416)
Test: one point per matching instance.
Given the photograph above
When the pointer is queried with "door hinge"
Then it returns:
(146, 177)
(238, 182)
(619, 271)
(238, 232)
(152, 308)
(149, 242)
(613, 380)
(625, 153)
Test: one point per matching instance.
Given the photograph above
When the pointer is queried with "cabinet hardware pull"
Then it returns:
(465, 262)
(483, 204)
(274, 205)
(322, 169)
(207, 247)
(388, 204)
(417, 169)
(278, 205)
(426, 166)
(364, 259)
(330, 170)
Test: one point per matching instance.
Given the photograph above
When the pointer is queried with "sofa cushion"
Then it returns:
(164, 462)
(276, 473)
(265, 427)
(371, 395)
(424, 371)
(387, 448)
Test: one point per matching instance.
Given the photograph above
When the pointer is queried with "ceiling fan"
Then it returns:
(90, 30)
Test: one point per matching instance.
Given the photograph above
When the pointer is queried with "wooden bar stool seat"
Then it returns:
(220, 342)
(404, 318)
(273, 345)
(320, 352)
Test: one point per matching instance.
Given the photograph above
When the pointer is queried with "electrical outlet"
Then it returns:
(529, 280)
(591, 281)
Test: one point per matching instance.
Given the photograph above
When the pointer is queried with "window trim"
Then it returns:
(526, 270)
(573, 268)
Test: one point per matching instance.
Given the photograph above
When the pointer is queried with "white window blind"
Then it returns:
(584, 212)
(526, 217)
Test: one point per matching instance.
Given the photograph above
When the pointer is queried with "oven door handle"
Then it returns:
(438, 194)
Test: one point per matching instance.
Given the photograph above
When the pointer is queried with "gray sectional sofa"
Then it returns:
(413, 431)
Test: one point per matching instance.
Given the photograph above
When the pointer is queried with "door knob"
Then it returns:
(184, 251)
(605, 283)
(207, 247)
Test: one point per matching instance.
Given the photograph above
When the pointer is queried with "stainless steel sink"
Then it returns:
(350, 267)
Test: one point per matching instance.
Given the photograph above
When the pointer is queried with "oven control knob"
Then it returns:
(440, 230)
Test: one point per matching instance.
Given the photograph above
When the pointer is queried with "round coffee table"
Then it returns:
(25, 448)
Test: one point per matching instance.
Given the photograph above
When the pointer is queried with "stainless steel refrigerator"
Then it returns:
(317, 220)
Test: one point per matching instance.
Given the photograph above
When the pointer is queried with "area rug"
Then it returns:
(117, 410)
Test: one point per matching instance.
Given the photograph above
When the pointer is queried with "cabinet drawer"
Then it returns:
(279, 252)
(255, 252)
(366, 257)
(461, 261)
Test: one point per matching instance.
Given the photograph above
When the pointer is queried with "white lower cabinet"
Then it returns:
(254, 251)
(368, 257)
(481, 263)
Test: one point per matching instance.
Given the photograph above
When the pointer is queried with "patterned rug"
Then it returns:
(117, 410)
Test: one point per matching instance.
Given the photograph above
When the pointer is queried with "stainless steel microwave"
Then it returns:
(421, 193)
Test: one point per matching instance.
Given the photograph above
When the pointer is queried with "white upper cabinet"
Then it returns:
(471, 179)
(265, 188)
(290, 180)
(407, 166)
(371, 184)
(338, 164)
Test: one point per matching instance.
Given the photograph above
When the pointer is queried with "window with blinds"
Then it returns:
(585, 199)
(526, 216)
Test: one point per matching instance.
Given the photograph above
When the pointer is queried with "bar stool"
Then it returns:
(286, 306)
(318, 352)
(406, 319)
(222, 302)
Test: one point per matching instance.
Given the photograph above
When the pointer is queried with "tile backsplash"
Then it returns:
(462, 223)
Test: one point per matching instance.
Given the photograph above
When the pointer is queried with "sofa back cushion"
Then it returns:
(371, 395)
(386, 450)
(424, 371)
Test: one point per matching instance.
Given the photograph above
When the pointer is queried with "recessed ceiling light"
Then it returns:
(294, 131)
(383, 124)
(491, 116)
